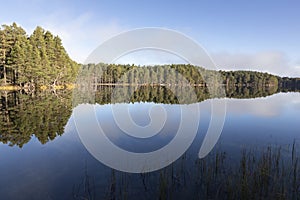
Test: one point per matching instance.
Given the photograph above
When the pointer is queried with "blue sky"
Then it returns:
(255, 35)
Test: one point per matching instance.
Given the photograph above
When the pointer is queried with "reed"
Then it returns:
(271, 172)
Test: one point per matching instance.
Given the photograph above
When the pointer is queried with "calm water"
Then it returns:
(60, 167)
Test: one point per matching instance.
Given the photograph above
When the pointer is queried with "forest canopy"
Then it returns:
(38, 59)
(177, 74)
(41, 60)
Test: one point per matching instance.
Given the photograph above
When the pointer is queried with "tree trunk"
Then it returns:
(4, 74)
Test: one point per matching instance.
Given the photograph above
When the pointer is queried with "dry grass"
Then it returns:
(68, 86)
(9, 88)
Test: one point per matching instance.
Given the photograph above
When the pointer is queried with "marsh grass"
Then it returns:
(270, 172)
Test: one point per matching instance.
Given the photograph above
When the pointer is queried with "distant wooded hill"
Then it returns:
(179, 75)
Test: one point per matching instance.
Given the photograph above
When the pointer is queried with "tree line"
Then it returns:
(168, 95)
(45, 114)
(42, 115)
(38, 59)
(174, 74)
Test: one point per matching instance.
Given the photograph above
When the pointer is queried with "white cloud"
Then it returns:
(81, 34)
(273, 62)
(270, 106)
(149, 57)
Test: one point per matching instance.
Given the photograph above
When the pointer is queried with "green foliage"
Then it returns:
(39, 59)
(42, 115)
(288, 83)
(179, 74)
(131, 83)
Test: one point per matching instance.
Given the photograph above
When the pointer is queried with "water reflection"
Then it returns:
(255, 155)
(45, 114)
(163, 132)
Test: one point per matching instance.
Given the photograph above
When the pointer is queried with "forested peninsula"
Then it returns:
(40, 61)
(36, 60)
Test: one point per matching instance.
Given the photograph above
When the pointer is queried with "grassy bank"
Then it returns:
(68, 86)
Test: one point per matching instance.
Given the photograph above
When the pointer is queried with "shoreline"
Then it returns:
(70, 86)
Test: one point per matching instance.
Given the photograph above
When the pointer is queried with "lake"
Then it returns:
(44, 156)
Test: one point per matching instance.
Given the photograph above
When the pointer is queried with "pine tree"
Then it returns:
(41, 63)
(38, 60)
(5, 44)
